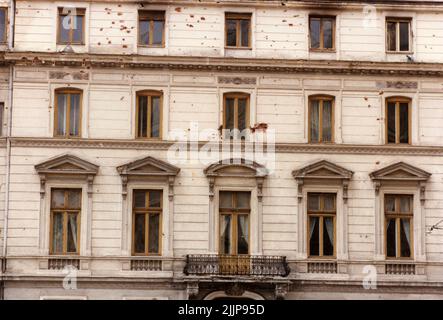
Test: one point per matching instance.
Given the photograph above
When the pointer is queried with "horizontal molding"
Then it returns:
(279, 147)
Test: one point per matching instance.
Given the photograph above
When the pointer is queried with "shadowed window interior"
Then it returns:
(71, 25)
(398, 32)
(234, 208)
(321, 119)
(398, 120)
(399, 230)
(151, 28)
(68, 111)
(147, 211)
(236, 114)
(321, 224)
(322, 33)
(65, 221)
(238, 30)
(3, 20)
(2, 118)
(149, 109)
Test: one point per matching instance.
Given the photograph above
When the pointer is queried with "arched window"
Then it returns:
(321, 119)
(398, 120)
(149, 114)
(68, 112)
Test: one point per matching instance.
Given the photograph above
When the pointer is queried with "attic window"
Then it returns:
(151, 28)
(3, 15)
(398, 34)
(71, 26)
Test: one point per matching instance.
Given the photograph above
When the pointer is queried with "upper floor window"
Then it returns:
(399, 231)
(2, 118)
(238, 30)
(321, 119)
(65, 221)
(151, 26)
(147, 212)
(322, 33)
(3, 20)
(71, 25)
(398, 33)
(321, 224)
(149, 114)
(398, 120)
(235, 112)
(68, 110)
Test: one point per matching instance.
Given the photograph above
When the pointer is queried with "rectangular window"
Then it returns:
(146, 219)
(71, 26)
(321, 119)
(398, 34)
(238, 30)
(236, 113)
(3, 23)
(398, 119)
(2, 118)
(65, 221)
(149, 114)
(322, 33)
(399, 230)
(321, 224)
(68, 110)
(234, 208)
(151, 28)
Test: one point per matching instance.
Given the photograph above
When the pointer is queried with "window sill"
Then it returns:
(323, 50)
(399, 52)
(238, 48)
(145, 46)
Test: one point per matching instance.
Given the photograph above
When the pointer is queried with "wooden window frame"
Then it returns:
(65, 211)
(234, 213)
(151, 16)
(238, 17)
(321, 98)
(397, 101)
(321, 42)
(236, 96)
(147, 211)
(321, 214)
(149, 94)
(398, 216)
(397, 34)
(5, 33)
(68, 91)
(79, 12)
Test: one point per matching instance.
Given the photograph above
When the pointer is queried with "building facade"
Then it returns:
(126, 162)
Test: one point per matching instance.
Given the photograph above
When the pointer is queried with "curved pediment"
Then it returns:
(148, 166)
(322, 170)
(236, 168)
(67, 164)
(400, 171)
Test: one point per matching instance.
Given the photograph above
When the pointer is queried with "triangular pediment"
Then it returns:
(148, 166)
(66, 164)
(400, 171)
(322, 170)
(236, 168)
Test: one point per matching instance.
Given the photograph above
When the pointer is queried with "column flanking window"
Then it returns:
(149, 114)
(398, 120)
(68, 113)
(321, 119)
(398, 34)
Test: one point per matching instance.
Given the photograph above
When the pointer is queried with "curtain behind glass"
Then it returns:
(327, 121)
(314, 118)
(72, 233)
(243, 234)
(62, 106)
(74, 115)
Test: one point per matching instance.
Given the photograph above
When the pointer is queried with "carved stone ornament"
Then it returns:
(236, 290)
(192, 290)
(237, 80)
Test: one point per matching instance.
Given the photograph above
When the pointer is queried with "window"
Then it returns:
(234, 208)
(322, 33)
(399, 231)
(235, 112)
(398, 120)
(68, 110)
(146, 222)
(3, 20)
(321, 119)
(71, 25)
(238, 30)
(398, 33)
(2, 117)
(149, 114)
(151, 26)
(65, 221)
(321, 224)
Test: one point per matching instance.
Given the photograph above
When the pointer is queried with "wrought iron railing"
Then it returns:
(236, 265)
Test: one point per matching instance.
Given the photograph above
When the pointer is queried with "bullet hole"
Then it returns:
(109, 42)
(99, 43)
(366, 98)
(191, 15)
(101, 29)
(119, 13)
(190, 25)
(291, 24)
(203, 18)
(284, 21)
(125, 46)
(378, 162)
(178, 9)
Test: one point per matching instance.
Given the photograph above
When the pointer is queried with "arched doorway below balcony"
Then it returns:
(221, 295)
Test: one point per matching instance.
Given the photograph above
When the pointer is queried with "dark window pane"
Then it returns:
(74, 117)
(313, 202)
(57, 232)
(158, 32)
(315, 119)
(155, 199)
(327, 34)
(74, 199)
(62, 105)
(72, 233)
(404, 36)
(243, 234)
(2, 25)
(242, 103)
(404, 123)
(143, 26)
(57, 198)
(314, 236)
(64, 28)
(327, 121)
(391, 122)
(391, 34)
(140, 199)
(139, 233)
(328, 236)
(231, 34)
(155, 117)
(243, 200)
(391, 240)
(77, 35)
(245, 25)
(154, 232)
(314, 28)
(229, 114)
(142, 116)
(225, 234)
(405, 238)
(226, 199)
